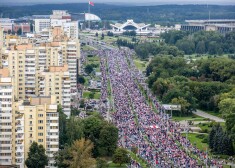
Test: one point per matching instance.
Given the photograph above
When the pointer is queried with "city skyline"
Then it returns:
(119, 2)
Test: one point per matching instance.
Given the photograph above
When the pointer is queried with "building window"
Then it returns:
(40, 115)
(40, 128)
(40, 121)
(40, 140)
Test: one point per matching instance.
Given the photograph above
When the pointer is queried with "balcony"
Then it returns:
(52, 118)
(19, 131)
(20, 149)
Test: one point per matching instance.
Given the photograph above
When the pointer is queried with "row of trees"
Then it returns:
(144, 50)
(206, 84)
(201, 42)
(173, 80)
(125, 43)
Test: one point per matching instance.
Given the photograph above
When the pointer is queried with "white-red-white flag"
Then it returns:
(91, 3)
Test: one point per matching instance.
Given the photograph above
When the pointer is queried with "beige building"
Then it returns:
(35, 120)
(25, 60)
(56, 81)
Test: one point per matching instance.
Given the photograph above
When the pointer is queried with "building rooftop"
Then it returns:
(4, 72)
(63, 68)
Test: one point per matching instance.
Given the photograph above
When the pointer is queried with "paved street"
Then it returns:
(206, 115)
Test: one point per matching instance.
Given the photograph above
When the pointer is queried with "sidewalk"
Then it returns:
(206, 115)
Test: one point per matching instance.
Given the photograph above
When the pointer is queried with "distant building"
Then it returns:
(58, 18)
(6, 24)
(13, 26)
(25, 27)
(41, 24)
(158, 29)
(220, 25)
(130, 25)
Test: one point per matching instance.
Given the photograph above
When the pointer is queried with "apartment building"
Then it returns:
(56, 81)
(6, 130)
(59, 18)
(24, 60)
(35, 120)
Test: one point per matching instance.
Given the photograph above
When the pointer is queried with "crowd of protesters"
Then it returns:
(158, 139)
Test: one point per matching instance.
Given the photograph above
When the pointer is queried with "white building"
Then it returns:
(6, 130)
(41, 24)
(130, 25)
(71, 29)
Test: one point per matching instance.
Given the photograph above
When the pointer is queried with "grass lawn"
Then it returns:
(141, 65)
(113, 165)
(87, 48)
(93, 59)
(192, 117)
(87, 93)
(198, 141)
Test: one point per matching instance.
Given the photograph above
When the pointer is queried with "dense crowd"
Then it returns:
(157, 138)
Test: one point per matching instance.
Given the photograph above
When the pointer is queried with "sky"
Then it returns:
(133, 2)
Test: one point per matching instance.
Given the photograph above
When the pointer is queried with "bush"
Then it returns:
(205, 130)
(200, 136)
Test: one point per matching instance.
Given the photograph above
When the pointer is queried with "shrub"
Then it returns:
(200, 136)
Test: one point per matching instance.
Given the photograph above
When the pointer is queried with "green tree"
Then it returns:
(36, 156)
(102, 36)
(61, 156)
(74, 129)
(81, 80)
(108, 139)
(101, 163)
(89, 69)
(200, 48)
(62, 126)
(184, 104)
(121, 156)
(92, 126)
(19, 31)
(92, 95)
(212, 136)
(187, 46)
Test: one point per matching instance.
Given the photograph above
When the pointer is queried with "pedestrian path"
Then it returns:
(206, 115)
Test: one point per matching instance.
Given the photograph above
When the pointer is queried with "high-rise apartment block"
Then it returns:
(6, 129)
(56, 81)
(37, 73)
(36, 120)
